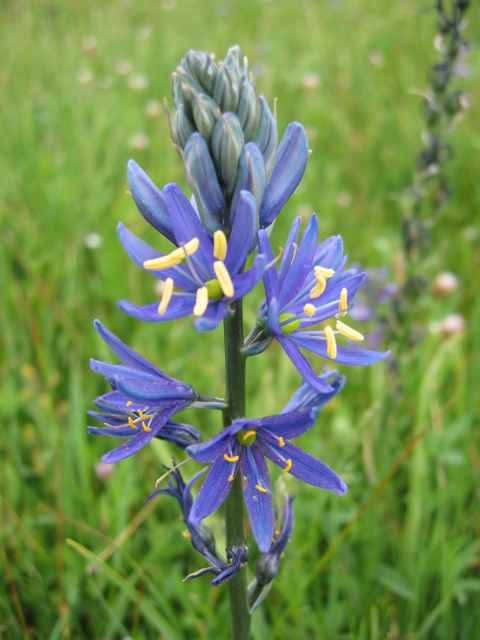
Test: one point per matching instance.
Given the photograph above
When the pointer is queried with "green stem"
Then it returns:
(235, 396)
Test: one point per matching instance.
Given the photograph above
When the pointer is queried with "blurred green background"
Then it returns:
(81, 86)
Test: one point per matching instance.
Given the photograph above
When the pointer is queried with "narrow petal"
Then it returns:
(181, 435)
(289, 425)
(213, 491)
(306, 468)
(245, 282)
(290, 164)
(290, 250)
(180, 305)
(153, 393)
(117, 370)
(212, 317)
(114, 400)
(302, 263)
(187, 499)
(149, 200)
(273, 323)
(303, 366)
(345, 355)
(212, 449)
(113, 432)
(308, 397)
(259, 503)
(140, 251)
(270, 278)
(243, 232)
(141, 439)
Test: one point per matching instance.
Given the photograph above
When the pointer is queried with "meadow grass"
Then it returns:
(83, 557)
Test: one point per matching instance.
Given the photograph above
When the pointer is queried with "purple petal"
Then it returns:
(213, 491)
(290, 164)
(302, 263)
(273, 323)
(259, 504)
(117, 370)
(289, 425)
(180, 305)
(149, 200)
(287, 259)
(107, 401)
(212, 449)
(243, 232)
(303, 366)
(153, 392)
(329, 253)
(345, 355)
(245, 282)
(121, 431)
(270, 277)
(212, 317)
(140, 251)
(305, 467)
(305, 396)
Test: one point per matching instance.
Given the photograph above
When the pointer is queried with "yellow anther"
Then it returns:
(288, 467)
(309, 309)
(186, 534)
(129, 403)
(202, 302)
(142, 415)
(166, 296)
(348, 332)
(323, 271)
(281, 442)
(282, 555)
(343, 302)
(249, 434)
(319, 288)
(244, 478)
(219, 245)
(230, 478)
(261, 489)
(131, 424)
(231, 459)
(173, 259)
(145, 428)
(224, 279)
(331, 343)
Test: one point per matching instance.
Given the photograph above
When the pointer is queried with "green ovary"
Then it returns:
(291, 326)
(247, 438)
(214, 290)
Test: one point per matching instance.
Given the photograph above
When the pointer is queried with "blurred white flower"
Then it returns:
(138, 82)
(84, 76)
(139, 141)
(377, 59)
(444, 284)
(311, 81)
(453, 325)
(104, 471)
(93, 240)
(124, 67)
(153, 109)
(344, 199)
(89, 44)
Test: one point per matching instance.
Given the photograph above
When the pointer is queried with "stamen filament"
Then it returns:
(224, 279)
(309, 309)
(348, 332)
(131, 423)
(331, 343)
(201, 303)
(288, 467)
(319, 288)
(261, 489)
(323, 271)
(219, 245)
(343, 304)
(295, 249)
(231, 459)
(166, 296)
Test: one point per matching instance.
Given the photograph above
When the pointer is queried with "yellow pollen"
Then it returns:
(174, 258)
(281, 441)
(186, 534)
(319, 288)
(261, 489)
(131, 424)
(343, 302)
(288, 467)
(282, 555)
(142, 415)
(230, 478)
(166, 296)
(309, 309)
(348, 332)
(331, 343)
(219, 245)
(129, 403)
(244, 478)
(231, 459)
(145, 428)
(224, 279)
(202, 302)
(323, 271)
(249, 434)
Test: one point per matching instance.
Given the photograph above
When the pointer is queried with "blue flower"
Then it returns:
(237, 557)
(212, 276)
(201, 536)
(142, 402)
(310, 288)
(268, 565)
(245, 445)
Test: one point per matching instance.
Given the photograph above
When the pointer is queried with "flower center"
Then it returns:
(247, 438)
(290, 326)
(214, 290)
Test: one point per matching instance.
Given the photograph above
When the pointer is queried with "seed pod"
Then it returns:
(248, 110)
(202, 68)
(229, 82)
(251, 176)
(227, 146)
(183, 127)
(205, 115)
(267, 136)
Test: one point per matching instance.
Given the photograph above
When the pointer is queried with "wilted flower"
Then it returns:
(246, 444)
(237, 557)
(310, 288)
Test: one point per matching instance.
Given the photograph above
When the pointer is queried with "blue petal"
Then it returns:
(345, 355)
(251, 177)
(180, 305)
(267, 137)
(212, 449)
(118, 370)
(245, 282)
(181, 435)
(213, 491)
(303, 366)
(149, 200)
(141, 439)
(120, 431)
(259, 504)
(292, 242)
(153, 393)
(270, 277)
(290, 164)
(140, 251)
(302, 263)
(116, 401)
(125, 354)
(187, 226)
(273, 323)
(329, 253)
(308, 397)
(289, 425)
(243, 232)
(187, 499)
(212, 317)
(305, 467)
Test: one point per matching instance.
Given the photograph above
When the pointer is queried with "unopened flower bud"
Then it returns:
(205, 115)
(444, 284)
(453, 325)
(185, 90)
(267, 136)
(229, 82)
(251, 176)
(439, 76)
(183, 127)
(203, 68)
(227, 146)
(248, 110)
